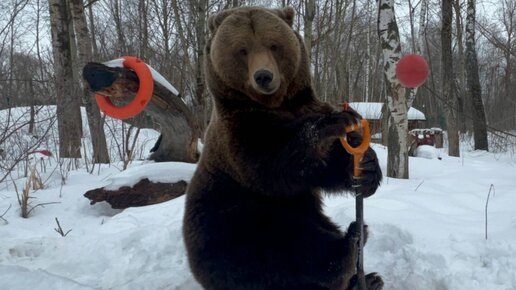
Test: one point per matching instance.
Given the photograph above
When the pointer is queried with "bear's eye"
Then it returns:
(243, 52)
(274, 47)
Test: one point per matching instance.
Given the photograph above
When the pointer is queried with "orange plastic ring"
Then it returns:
(143, 96)
(357, 152)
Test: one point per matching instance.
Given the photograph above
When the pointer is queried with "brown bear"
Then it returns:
(253, 217)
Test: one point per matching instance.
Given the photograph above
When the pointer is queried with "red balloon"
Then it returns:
(412, 70)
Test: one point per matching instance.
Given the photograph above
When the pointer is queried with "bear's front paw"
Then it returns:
(334, 125)
(353, 233)
(370, 174)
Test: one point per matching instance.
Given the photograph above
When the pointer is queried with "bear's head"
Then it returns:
(254, 53)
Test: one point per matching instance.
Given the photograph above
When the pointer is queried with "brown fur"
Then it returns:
(254, 216)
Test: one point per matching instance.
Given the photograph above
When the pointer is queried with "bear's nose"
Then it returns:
(263, 78)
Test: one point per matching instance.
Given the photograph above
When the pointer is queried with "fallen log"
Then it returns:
(143, 193)
(178, 125)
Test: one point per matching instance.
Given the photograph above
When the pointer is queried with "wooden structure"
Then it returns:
(432, 137)
(372, 111)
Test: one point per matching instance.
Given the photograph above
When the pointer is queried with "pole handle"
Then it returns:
(357, 152)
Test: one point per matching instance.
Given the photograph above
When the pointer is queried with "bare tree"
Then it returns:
(500, 32)
(68, 105)
(95, 122)
(199, 10)
(417, 43)
(448, 79)
(473, 80)
(461, 73)
(309, 18)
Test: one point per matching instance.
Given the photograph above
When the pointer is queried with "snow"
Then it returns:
(426, 151)
(164, 172)
(373, 111)
(426, 233)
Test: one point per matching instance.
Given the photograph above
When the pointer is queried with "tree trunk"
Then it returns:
(32, 120)
(448, 79)
(461, 71)
(68, 105)
(144, 28)
(199, 9)
(397, 160)
(473, 81)
(417, 41)
(309, 19)
(95, 121)
(117, 17)
(92, 30)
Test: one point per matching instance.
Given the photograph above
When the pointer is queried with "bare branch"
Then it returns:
(59, 229)
(2, 215)
(42, 205)
(90, 3)
(491, 188)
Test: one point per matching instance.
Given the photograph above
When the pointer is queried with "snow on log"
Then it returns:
(144, 184)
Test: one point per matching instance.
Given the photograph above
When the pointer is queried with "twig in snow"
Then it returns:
(487, 203)
(59, 229)
(42, 205)
(2, 215)
(419, 185)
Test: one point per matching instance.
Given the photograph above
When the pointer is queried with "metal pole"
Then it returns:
(359, 209)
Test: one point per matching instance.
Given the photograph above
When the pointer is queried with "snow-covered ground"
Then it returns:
(426, 233)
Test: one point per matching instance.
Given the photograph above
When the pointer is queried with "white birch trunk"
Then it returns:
(397, 162)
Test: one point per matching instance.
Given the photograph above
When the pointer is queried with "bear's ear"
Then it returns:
(214, 21)
(287, 14)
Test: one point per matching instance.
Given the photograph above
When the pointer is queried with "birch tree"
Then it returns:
(397, 160)
(68, 105)
(473, 80)
(448, 79)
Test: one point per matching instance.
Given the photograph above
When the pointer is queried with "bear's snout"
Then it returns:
(263, 79)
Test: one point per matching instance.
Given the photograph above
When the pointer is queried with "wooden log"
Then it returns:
(178, 126)
(143, 193)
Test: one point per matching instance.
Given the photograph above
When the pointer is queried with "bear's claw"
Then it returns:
(373, 282)
(354, 232)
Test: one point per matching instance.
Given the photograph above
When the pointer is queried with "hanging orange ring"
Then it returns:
(143, 96)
